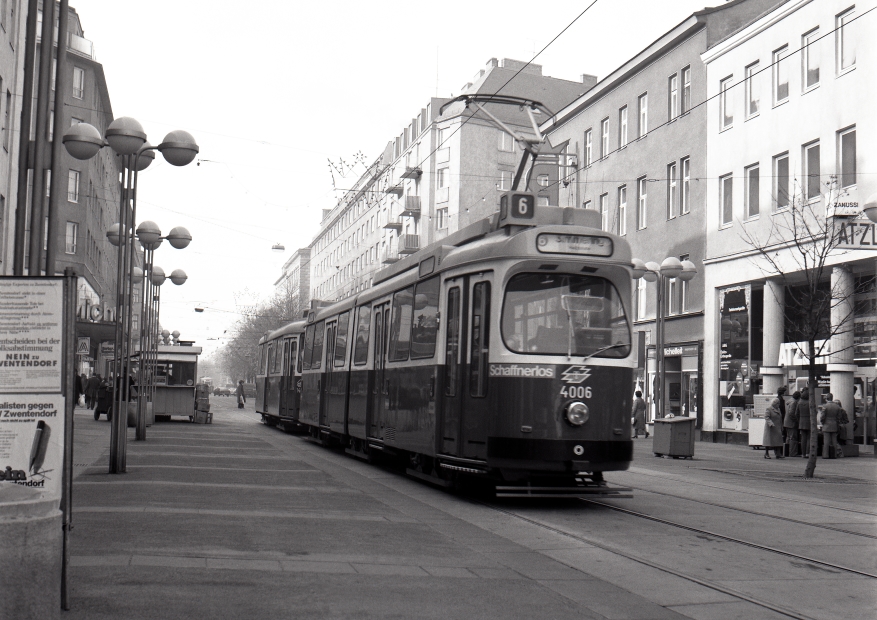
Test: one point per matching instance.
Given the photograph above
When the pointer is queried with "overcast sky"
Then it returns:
(272, 90)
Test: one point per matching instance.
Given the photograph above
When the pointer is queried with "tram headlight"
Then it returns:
(576, 413)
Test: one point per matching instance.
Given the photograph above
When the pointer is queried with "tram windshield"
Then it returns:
(562, 314)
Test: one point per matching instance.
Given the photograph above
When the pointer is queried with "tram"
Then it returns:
(501, 352)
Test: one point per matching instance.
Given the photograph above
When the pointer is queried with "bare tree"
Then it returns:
(802, 250)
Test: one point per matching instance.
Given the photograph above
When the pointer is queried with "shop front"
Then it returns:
(683, 367)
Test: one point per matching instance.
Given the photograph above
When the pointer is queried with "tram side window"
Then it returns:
(317, 356)
(309, 347)
(272, 355)
(400, 325)
(360, 352)
(278, 359)
(452, 348)
(341, 338)
(480, 339)
(291, 356)
(263, 359)
(425, 326)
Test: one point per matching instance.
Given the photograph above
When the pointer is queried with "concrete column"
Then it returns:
(772, 335)
(842, 365)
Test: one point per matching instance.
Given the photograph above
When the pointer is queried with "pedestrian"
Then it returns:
(639, 415)
(842, 420)
(91, 391)
(802, 412)
(239, 392)
(83, 383)
(773, 434)
(77, 389)
(790, 424)
(827, 422)
(781, 394)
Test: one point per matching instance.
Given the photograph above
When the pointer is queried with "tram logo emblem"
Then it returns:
(576, 374)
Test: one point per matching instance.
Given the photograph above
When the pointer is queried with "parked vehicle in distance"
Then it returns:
(221, 391)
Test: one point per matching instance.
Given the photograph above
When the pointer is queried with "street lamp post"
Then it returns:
(670, 268)
(149, 235)
(125, 136)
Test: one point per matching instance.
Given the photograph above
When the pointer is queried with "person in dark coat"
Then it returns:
(83, 383)
(773, 434)
(91, 391)
(639, 415)
(781, 394)
(790, 424)
(827, 422)
(239, 392)
(802, 413)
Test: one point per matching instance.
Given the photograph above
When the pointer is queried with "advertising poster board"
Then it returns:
(32, 441)
(31, 343)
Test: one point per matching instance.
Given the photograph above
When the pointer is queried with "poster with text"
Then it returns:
(32, 441)
(31, 343)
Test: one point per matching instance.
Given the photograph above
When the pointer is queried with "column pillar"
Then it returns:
(772, 336)
(842, 365)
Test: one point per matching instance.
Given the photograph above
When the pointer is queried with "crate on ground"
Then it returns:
(202, 404)
(203, 417)
(202, 390)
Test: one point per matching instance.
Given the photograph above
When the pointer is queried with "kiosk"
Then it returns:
(176, 372)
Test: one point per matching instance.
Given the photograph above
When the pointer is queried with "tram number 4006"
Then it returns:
(575, 391)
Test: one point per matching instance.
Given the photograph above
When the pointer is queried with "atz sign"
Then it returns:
(855, 235)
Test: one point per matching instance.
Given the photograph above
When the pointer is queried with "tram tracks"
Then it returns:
(718, 587)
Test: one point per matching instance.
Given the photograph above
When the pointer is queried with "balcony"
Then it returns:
(411, 173)
(393, 223)
(390, 256)
(409, 244)
(80, 46)
(393, 189)
(412, 206)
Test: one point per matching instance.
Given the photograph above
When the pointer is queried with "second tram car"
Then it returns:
(502, 352)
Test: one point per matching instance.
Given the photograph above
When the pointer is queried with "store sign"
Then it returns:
(687, 351)
(100, 313)
(795, 353)
(83, 345)
(856, 235)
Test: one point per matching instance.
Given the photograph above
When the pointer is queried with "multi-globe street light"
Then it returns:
(125, 136)
(670, 268)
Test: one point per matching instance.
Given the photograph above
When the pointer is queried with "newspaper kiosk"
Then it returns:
(176, 372)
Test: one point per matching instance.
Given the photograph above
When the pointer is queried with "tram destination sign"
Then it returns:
(587, 245)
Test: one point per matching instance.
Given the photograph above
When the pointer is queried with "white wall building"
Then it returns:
(790, 125)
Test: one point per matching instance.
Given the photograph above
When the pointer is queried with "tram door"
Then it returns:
(380, 391)
(475, 413)
(455, 335)
(288, 389)
(331, 332)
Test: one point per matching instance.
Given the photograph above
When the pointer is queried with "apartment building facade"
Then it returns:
(636, 150)
(446, 169)
(791, 139)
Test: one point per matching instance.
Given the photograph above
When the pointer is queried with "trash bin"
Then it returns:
(674, 437)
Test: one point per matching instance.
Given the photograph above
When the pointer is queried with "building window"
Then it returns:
(642, 203)
(542, 180)
(504, 183)
(846, 150)
(811, 171)
(604, 137)
(641, 299)
(622, 127)
(781, 180)
(73, 186)
(750, 193)
(622, 210)
(686, 90)
(810, 59)
(686, 186)
(72, 231)
(673, 97)
(643, 105)
(506, 142)
(604, 212)
(726, 196)
(673, 296)
(441, 218)
(684, 292)
(586, 204)
(846, 49)
(588, 148)
(726, 104)
(753, 96)
(441, 178)
(672, 191)
(78, 83)
(780, 75)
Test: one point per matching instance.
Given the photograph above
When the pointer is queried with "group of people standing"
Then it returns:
(788, 424)
(88, 387)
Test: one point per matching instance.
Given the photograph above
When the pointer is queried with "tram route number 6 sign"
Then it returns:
(516, 206)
